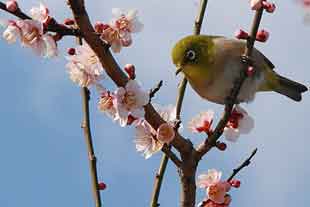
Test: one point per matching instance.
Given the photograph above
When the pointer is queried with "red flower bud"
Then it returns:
(240, 34)
(221, 146)
(102, 186)
(71, 51)
(12, 6)
(269, 7)
(235, 183)
(262, 36)
(131, 71)
(100, 27)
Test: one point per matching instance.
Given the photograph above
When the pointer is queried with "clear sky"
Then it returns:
(42, 151)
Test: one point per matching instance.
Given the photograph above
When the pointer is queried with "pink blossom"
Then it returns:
(202, 122)
(31, 35)
(126, 21)
(112, 36)
(207, 179)
(40, 13)
(11, 33)
(165, 133)
(84, 67)
(118, 32)
(145, 139)
(239, 123)
(105, 104)
(130, 100)
(11, 5)
(216, 192)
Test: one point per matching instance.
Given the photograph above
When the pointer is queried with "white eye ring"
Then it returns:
(191, 55)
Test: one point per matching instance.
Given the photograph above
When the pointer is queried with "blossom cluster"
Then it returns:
(118, 32)
(31, 31)
(239, 123)
(126, 105)
(216, 189)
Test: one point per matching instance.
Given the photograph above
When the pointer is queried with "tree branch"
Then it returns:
(246, 163)
(113, 70)
(53, 27)
(90, 148)
(231, 100)
(179, 102)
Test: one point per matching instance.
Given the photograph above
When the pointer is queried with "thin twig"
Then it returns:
(179, 102)
(171, 155)
(90, 148)
(246, 163)
(158, 181)
(154, 90)
(231, 100)
(88, 138)
(53, 27)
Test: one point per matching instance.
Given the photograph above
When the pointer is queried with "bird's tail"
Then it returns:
(290, 88)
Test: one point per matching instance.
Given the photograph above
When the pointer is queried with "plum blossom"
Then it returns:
(145, 139)
(129, 100)
(202, 122)
(126, 21)
(209, 178)
(11, 33)
(31, 35)
(84, 67)
(105, 104)
(40, 13)
(239, 123)
(216, 189)
(118, 32)
(150, 141)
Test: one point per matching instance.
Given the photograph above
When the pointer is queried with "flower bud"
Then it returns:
(262, 35)
(102, 186)
(269, 7)
(12, 6)
(241, 35)
(131, 71)
(71, 51)
(100, 27)
(235, 183)
(221, 146)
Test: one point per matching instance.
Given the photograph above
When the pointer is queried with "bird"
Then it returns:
(211, 64)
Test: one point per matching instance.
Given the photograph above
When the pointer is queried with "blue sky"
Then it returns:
(42, 151)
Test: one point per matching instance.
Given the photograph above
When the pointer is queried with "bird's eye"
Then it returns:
(191, 55)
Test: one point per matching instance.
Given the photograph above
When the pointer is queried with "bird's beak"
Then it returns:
(179, 69)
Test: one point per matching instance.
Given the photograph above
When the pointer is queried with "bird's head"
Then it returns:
(192, 55)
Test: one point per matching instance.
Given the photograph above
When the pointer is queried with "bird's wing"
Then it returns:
(267, 61)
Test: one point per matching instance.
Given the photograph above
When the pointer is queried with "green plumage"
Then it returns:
(212, 63)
